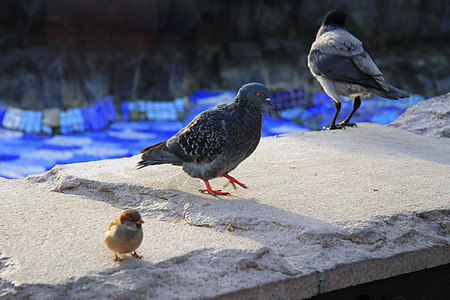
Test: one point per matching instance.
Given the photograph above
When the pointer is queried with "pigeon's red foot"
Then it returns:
(233, 181)
(211, 191)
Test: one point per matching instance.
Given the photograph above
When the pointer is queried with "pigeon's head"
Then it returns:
(335, 18)
(253, 95)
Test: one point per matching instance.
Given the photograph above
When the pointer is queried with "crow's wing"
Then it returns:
(338, 55)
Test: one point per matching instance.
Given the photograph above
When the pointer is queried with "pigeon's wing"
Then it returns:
(339, 56)
(201, 140)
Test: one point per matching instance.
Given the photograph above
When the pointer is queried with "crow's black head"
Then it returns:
(335, 18)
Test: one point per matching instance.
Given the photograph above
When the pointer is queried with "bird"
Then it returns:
(217, 140)
(124, 234)
(343, 68)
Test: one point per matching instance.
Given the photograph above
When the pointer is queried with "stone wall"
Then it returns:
(430, 117)
(61, 53)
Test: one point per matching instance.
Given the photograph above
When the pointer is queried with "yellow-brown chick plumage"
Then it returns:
(125, 233)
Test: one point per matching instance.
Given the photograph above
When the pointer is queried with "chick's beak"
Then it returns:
(140, 222)
(268, 101)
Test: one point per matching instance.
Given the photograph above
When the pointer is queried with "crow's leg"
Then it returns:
(211, 191)
(356, 105)
(233, 181)
(337, 105)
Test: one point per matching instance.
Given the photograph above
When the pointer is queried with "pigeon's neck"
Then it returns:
(244, 122)
(252, 118)
(245, 108)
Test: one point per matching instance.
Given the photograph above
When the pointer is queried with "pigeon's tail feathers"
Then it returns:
(158, 154)
(393, 93)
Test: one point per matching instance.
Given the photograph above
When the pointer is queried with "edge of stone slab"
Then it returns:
(339, 276)
(428, 118)
(332, 279)
(297, 287)
(329, 279)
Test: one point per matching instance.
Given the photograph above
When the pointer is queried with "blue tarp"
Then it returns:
(25, 153)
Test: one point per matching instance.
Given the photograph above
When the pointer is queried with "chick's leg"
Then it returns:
(133, 253)
(116, 258)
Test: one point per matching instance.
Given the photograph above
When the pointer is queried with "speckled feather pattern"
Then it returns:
(202, 139)
(217, 140)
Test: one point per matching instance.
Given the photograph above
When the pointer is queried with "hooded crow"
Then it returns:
(338, 61)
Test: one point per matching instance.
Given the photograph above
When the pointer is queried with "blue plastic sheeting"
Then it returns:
(30, 121)
(96, 117)
(376, 110)
(12, 117)
(23, 153)
(2, 112)
(153, 110)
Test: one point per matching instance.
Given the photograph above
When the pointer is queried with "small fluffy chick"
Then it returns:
(125, 234)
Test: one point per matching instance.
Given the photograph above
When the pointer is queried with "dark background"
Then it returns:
(64, 53)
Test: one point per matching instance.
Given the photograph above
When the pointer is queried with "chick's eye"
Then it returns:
(258, 94)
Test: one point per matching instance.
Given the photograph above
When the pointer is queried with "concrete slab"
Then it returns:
(323, 211)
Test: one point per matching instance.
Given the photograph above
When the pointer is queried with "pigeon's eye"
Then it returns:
(258, 94)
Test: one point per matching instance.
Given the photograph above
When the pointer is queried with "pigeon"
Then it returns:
(125, 234)
(338, 61)
(217, 140)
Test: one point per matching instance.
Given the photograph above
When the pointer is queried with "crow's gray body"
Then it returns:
(339, 63)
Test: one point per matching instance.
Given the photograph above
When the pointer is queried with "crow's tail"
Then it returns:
(393, 93)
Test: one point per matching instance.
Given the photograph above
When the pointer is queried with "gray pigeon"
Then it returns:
(338, 61)
(217, 140)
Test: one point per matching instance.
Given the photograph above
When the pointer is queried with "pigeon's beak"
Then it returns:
(139, 222)
(268, 101)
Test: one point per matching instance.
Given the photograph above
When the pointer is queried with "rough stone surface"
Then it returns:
(430, 118)
(323, 211)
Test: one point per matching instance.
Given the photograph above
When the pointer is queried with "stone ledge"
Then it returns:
(430, 117)
(323, 211)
